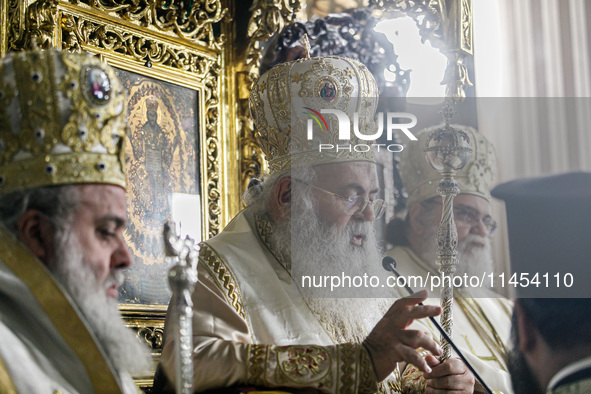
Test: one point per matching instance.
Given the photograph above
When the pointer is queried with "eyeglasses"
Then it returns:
(354, 204)
(470, 218)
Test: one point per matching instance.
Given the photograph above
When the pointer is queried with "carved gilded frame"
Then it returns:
(183, 46)
(183, 43)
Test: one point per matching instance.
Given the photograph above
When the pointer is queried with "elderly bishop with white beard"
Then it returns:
(62, 215)
(257, 325)
(481, 317)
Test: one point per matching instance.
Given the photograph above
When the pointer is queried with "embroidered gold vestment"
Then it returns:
(252, 328)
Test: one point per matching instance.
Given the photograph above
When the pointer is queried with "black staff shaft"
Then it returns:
(390, 265)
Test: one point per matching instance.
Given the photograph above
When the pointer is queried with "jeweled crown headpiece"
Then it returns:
(62, 121)
(420, 179)
(288, 96)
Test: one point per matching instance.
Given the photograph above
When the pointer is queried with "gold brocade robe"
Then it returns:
(46, 345)
(481, 326)
(252, 328)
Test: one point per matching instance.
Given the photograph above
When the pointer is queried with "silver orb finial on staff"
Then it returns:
(447, 151)
(182, 255)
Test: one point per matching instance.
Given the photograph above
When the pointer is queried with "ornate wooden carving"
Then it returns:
(447, 24)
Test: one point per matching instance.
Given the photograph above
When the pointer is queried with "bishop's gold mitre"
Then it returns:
(63, 121)
(288, 100)
(420, 179)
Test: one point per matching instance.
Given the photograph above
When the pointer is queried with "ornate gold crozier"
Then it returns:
(447, 24)
(447, 151)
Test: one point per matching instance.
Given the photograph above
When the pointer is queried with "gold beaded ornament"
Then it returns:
(63, 120)
(283, 100)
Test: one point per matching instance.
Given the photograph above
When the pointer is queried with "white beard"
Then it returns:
(474, 254)
(308, 247)
(121, 345)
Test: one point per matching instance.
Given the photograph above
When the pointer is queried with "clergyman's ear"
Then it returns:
(282, 195)
(36, 232)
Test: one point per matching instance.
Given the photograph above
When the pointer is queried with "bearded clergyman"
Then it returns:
(257, 325)
(62, 214)
(481, 317)
(549, 231)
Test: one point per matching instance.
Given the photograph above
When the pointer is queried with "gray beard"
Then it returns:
(102, 315)
(306, 246)
(474, 254)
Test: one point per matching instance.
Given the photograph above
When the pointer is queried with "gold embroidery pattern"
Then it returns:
(347, 353)
(303, 364)
(255, 372)
(278, 95)
(394, 386)
(224, 278)
(485, 330)
(264, 229)
(367, 378)
(335, 330)
(413, 381)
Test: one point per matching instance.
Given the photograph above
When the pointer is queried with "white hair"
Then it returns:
(75, 273)
(307, 245)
